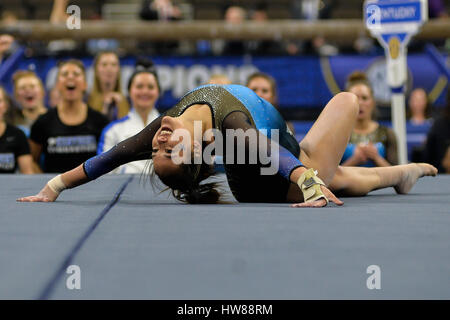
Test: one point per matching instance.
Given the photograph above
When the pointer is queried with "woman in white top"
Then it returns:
(144, 91)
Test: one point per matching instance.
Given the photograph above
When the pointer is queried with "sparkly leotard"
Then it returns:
(232, 107)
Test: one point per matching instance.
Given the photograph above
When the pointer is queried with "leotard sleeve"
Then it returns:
(287, 162)
(137, 147)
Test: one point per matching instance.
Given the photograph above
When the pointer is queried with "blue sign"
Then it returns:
(382, 12)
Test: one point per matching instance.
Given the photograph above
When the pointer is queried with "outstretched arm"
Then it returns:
(134, 148)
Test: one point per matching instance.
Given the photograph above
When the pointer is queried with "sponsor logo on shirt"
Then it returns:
(7, 161)
(72, 144)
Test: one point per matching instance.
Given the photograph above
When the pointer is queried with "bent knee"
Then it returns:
(348, 102)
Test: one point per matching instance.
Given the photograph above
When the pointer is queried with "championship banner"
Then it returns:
(303, 82)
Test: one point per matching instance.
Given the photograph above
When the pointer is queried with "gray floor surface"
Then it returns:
(147, 246)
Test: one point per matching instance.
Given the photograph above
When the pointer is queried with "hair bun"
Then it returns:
(144, 63)
(357, 76)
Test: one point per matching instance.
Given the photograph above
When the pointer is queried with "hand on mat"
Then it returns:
(320, 202)
(45, 195)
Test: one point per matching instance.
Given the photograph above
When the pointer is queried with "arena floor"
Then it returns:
(131, 243)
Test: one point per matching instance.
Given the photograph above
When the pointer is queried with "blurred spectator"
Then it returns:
(371, 144)
(263, 47)
(106, 95)
(234, 15)
(14, 148)
(446, 161)
(219, 79)
(54, 97)
(419, 112)
(59, 16)
(68, 134)
(144, 91)
(6, 45)
(29, 93)
(161, 10)
(313, 10)
(419, 121)
(9, 18)
(438, 138)
(436, 9)
(265, 87)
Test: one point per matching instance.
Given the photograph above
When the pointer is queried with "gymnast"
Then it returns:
(308, 174)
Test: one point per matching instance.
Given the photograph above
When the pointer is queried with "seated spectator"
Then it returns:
(438, 138)
(106, 95)
(263, 47)
(59, 15)
(313, 10)
(234, 15)
(14, 148)
(29, 93)
(144, 91)
(265, 87)
(419, 122)
(446, 161)
(419, 108)
(68, 134)
(6, 44)
(436, 9)
(371, 144)
(9, 18)
(54, 97)
(219, 79)
(161, 10)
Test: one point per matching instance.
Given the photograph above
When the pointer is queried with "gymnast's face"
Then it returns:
(365, 99)
(262, 88)
(171, 141)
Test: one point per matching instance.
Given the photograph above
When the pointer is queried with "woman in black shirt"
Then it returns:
(14, 148)
(68, 134)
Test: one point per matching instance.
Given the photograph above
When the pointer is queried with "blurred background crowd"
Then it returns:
(65, 100)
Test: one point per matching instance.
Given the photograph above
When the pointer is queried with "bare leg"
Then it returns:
(323, 147)
(357, 181)
(325, 143)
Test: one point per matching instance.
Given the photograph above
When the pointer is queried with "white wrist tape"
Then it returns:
(56, 184)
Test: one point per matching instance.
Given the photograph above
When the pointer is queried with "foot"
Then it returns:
(412, 172)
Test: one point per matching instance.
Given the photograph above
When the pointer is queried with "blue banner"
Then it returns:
(393, 11)
(303, 82)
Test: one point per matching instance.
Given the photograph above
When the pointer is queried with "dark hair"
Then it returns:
(144, 66)
(447, 106)
(12, 113)
(186, 184)
(76, 62)
(427, 110)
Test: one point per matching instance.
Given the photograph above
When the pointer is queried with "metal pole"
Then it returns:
(399, 125)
